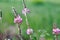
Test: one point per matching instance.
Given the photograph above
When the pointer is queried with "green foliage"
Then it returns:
(41, 17)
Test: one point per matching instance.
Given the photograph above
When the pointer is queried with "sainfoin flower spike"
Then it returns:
(29, 31)
(56, 30)
(25, 11)
(18, 19)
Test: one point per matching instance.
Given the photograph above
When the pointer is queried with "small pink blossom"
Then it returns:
(29, 31)
(25, 10)
(18, 19)
(56, 31)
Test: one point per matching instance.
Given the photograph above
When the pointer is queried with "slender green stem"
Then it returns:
(56, 37)
(27, 20)
(30, 37)
(24, 5)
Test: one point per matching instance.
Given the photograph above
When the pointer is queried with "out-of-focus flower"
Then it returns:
(25, 10)
(56, 31)
(29, 31)
(18, 19)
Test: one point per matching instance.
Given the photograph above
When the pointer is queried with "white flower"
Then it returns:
(29, 31)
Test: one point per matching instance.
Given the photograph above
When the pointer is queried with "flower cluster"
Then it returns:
(25, 11)
(18, 19)
(56, 31)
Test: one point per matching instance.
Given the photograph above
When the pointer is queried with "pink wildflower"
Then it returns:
(56, 31)
(18, 19)
(29, 31)
(25, 10)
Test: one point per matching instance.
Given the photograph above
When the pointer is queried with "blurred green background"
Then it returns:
(42, 16)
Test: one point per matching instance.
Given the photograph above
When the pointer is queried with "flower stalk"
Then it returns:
(24, 5)
(56, 31)
(25, 11)
(30, 37)
(56, 37)
(18, 21)
(19, 29)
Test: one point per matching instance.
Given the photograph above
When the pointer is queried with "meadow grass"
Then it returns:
(41, 16)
